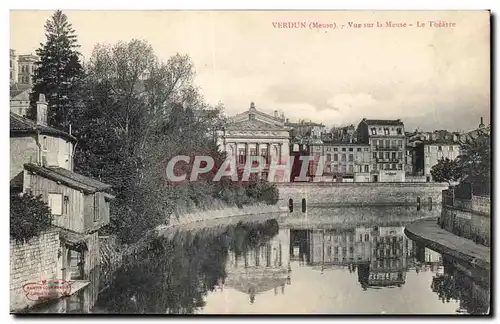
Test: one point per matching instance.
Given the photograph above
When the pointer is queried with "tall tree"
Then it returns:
(59, 73)
(445, 170)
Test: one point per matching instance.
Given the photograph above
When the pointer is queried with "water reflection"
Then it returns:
(340, 268)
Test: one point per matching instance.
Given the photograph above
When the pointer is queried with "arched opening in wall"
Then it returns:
(430, 203)
(304, 205)
(418, 203)
(290, 205)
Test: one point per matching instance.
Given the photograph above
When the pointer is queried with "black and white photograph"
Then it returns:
(230, 162)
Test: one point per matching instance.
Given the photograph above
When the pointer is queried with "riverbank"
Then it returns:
(431, 235)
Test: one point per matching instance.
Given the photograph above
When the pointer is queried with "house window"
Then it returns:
(56, 203)
(253, 152)
(335, 168)
(328, 157)
(440, 148)
(328, 149)
(335, 149)
(367, 237)
(343, 149)
(374, 131)
(374, 167)
(343, 168)
(400, 167)
(367, 168)
(386, 131)
(351, 158)
(335, 157)
(400, 132)
(351, 169)
(394, 166)
(366, 149)
(428, 149)
(343, 158)
(358, 149)
(374, 155)
(96, 207)
(351, 149)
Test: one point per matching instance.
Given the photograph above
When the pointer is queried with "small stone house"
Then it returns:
(42, 164)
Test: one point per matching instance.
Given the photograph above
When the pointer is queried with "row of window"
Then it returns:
(385, 130)
(387, 143)
(350, 149)
(349, 168)
(24, 79)
(59, 205)
(387, 166)
(440, 148)
(388, 155)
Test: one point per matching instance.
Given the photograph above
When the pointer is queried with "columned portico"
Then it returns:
(254, 133)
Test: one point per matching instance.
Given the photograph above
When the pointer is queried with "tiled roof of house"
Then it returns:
(388, 122)
(22, 125)
(69, 178)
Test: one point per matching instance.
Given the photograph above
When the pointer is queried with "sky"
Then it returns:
(429, 77)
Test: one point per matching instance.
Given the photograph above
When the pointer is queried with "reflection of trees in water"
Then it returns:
(453, 284)
(174, 275)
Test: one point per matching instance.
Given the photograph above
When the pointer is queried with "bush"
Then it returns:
(29, 216)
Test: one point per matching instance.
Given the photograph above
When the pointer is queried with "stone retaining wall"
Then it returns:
(33, 261)
(397, 193)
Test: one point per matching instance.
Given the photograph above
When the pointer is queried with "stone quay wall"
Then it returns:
(359, 194)
(469, 218)
(32, 262)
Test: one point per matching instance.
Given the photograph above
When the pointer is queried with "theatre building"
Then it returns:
(255, 133)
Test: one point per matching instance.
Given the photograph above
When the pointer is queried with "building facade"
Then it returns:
(13, 67)
(42, 165)
(254, 133)
(26, 69)
(343, 161)
(429, 153)
(386, 139)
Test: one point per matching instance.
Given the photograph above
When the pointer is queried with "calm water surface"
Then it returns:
(330, 261)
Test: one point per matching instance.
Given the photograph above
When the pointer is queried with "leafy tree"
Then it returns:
(445, 170)
(59, 72)
(475, 159)
(29, 216)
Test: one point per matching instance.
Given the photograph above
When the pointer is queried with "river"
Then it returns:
(327, 261)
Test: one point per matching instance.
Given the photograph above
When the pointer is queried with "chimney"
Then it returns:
(481, 125)
(41, 110)
(252, 105)
(276, 113)
(287, 120)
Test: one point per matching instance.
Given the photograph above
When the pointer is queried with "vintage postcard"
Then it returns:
(250, 162)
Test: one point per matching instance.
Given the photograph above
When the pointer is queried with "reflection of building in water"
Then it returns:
(389, 264)
(381, 254)
(337, 246)
(429, 260)
(261, 268)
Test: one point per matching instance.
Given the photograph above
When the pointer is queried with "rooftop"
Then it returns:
(387, 122)
(21, 125)
(69, 178)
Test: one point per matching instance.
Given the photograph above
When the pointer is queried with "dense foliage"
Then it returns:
(59, 72)
(473, 164)
(132, 113)
(445, 170)
(29, 216)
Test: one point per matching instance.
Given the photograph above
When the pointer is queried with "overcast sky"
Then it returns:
(431, 78)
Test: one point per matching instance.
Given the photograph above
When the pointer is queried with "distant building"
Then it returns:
(19, 101)
(344, 161)
(13, 67)
(428, 154)
(387, 141)
(26, 69)
(255, 133)
(482, 128)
